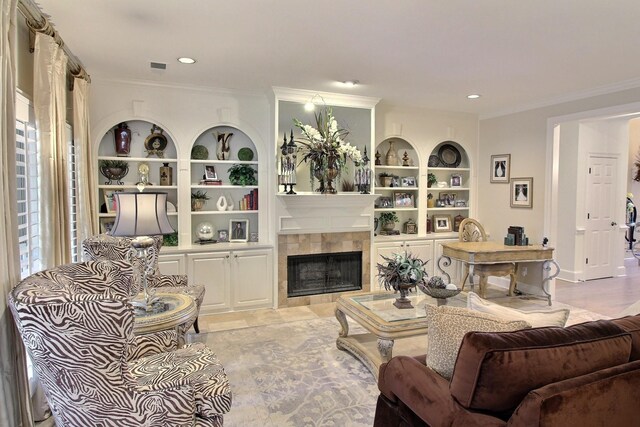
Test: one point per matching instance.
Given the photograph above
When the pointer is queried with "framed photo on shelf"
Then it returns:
(521, 192)
(223, 235)
(441, 223)
(106, 224)
(500, 168)
(253, 236)
(210, 172)
(408, 181)
(403, 200)
(384, 202)
(238, 230)
(461, 204)
(448, 199)
(110, 201)
(395, 181)
(456, 180)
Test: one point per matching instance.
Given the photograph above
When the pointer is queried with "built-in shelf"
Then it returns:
(139, 159)
(135, 187)
(228, 162)
(227, 186)
(223, 212)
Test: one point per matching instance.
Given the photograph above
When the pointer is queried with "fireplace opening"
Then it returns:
(324, 273)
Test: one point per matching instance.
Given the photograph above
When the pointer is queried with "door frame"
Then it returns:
(552, 165)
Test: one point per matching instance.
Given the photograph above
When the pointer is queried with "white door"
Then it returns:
(601, 226)
(212, 271)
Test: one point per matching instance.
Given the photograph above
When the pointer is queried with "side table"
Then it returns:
(176, 311)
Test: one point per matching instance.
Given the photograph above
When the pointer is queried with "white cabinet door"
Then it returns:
(454, 270)
(422, 249)
(212, 270)
(172, 264)
(251, 283)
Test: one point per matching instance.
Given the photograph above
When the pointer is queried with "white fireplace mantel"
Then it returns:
(325, 213)
(309, 200)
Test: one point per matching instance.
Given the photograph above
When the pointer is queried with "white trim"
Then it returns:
(334, 99)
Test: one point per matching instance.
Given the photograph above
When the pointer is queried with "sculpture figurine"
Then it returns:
(222, 150)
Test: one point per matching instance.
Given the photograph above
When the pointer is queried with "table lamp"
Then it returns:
(142, 215)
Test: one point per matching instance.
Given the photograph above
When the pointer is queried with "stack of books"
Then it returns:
(250, 201)
(211, 182)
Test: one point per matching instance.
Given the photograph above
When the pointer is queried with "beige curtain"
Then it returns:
(86, 203)
(14, 389)
(49, 87)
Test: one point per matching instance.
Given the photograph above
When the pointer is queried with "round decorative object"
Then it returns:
(205, 231)
(449, 156)
(436, 282)
(434, 161)
(199, 152)
(114, 173)
(156, 142)
(245, 154)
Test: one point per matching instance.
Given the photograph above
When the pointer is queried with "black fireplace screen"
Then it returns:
(324, 273)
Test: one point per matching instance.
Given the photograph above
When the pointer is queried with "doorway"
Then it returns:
(588, 250)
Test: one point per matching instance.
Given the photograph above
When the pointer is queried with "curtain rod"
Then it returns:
(39, 23)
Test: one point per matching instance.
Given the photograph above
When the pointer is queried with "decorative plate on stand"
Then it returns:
(449, 156)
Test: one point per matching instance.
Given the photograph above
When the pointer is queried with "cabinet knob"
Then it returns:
(236, 256)
(227, 257)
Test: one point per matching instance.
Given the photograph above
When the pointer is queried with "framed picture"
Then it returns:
(500, 168)
(456, 180)
(403, 200)
(441, 223)
(223, 235)
(110, 201)
(238, 230)
(106, 224)
(253, 236)
(384, 202)
(521, 192)
(461, 204)
(447, 199)
(408, 181)
(395, 181)
(210, 172)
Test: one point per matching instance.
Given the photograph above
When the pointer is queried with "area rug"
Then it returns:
(292, 375)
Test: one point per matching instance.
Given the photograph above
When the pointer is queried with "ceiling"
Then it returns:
(422, 53)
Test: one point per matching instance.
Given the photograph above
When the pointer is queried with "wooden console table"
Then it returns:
(483, 253)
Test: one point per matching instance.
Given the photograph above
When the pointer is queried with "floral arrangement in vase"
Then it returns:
(325, 149)
(402, 272)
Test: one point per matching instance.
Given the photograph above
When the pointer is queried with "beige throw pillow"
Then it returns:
(447, 327)
(536, 319)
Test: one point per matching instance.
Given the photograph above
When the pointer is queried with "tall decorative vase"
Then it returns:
(166, 174)
(332, 171)
(392, 156)
(223, 148)
(122, 139)
(317, 170)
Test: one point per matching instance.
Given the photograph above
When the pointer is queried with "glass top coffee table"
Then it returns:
(385, 323)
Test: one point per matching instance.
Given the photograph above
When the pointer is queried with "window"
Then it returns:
(28, 186)
(73, 194)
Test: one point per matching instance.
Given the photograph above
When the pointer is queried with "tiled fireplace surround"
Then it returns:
(317, 243)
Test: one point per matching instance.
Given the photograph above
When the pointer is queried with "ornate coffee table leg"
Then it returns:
(385, 347)
(344, 325)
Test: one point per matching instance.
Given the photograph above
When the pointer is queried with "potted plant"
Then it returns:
(385, 179)
(388, 220)
(198, 200)
(430, 202)
(113, 170)
(431, 179)
(242, 175)
(402, 272)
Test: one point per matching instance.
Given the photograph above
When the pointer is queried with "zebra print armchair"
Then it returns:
(77, 326)
(106, 247)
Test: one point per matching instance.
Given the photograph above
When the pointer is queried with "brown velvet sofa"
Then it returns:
(582, 375)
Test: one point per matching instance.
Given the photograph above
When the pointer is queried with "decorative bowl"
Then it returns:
(114, 173)
(439, 293)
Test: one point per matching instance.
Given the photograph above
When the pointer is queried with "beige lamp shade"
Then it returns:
(141, 214)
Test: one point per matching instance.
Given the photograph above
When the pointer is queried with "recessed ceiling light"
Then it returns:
(186, 60)
(473, 96)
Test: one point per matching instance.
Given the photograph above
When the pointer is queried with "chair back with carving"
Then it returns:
(471, 231)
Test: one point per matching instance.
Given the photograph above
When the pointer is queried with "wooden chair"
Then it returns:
(472, 231)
